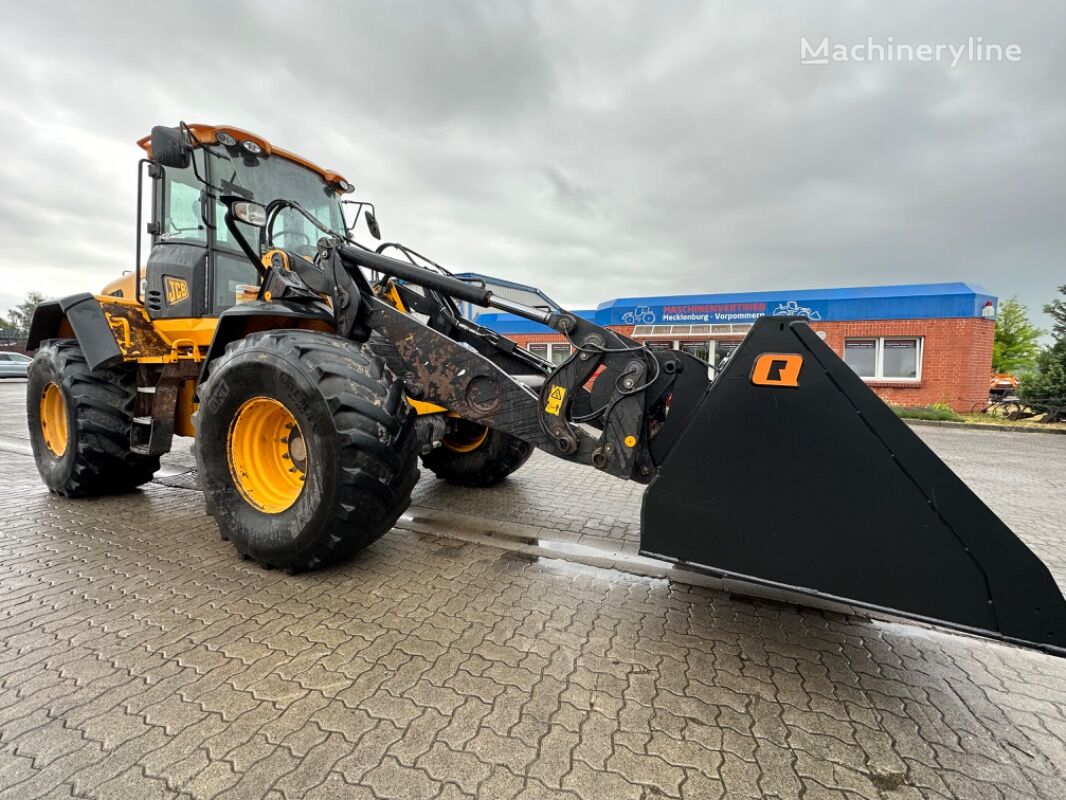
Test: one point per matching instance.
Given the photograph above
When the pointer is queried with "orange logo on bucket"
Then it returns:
(777, 369)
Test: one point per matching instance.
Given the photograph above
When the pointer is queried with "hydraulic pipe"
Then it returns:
(453, 287)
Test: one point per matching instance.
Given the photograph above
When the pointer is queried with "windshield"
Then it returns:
(183, 213)
(269, 178)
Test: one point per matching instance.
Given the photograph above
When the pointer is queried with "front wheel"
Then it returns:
(306, 448)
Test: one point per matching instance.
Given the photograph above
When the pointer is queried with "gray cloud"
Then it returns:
(596, 150)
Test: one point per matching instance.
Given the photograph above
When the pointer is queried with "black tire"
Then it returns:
(359, 437)
(490, 462)
(99, 407)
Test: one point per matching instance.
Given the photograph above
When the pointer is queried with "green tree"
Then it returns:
(18, 318)
(1047, 381)
(1056, 309)
(1016, 344)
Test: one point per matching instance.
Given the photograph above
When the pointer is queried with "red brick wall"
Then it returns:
(956, 357)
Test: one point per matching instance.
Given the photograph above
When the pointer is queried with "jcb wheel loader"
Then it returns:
(314, 370)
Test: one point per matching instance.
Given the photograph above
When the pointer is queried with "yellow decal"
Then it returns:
(555, 400)
(177, 289)
(120, 328)
(631, 441)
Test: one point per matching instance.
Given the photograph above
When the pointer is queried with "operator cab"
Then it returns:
(196, 268)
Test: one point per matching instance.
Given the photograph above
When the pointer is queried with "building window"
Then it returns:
(885, 358)
(539, 349)
(723, 349)
(861, 356)
(560, 352)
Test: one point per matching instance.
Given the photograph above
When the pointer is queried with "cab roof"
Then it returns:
(208, 134)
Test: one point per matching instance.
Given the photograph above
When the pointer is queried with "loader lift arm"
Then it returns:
(835, 496)
(631, 412)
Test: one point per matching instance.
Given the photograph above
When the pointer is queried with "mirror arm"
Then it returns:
(231, 225)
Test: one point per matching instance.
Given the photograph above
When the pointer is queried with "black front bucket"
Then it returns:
(792, 473)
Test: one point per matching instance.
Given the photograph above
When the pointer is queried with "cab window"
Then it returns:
(179, 214)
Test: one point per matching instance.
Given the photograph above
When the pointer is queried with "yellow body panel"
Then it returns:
(125, 287)
(186, 408)
(422, 407)
(188, 329)
(149, 341)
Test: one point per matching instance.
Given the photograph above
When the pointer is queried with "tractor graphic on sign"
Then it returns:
(642, 315)
(794, 309)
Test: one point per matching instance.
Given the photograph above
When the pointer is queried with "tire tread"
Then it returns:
(378, 449)
(104, 401)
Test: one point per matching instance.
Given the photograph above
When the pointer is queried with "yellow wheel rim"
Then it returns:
(267, 455)
(53, 413)
(466, 438)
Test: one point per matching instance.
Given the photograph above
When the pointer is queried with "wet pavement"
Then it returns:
(140, 658)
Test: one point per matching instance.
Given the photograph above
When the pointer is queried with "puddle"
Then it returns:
(886, 780)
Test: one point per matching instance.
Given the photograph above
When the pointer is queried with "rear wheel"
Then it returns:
(79, 421)
(306, 448)
(476, 455)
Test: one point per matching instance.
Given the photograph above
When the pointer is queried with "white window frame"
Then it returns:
(549, 349)
(879, 357)
(562, 346)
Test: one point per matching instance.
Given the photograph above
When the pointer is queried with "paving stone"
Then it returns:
(140, 658)
(392, 780)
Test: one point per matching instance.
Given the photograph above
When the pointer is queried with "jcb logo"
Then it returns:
(777, 369)
(177, 289)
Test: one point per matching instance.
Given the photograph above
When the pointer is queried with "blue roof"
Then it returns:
(851, 293)
(906, 301)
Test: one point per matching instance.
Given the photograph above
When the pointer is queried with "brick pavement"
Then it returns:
(1022, 476)
(140, 658)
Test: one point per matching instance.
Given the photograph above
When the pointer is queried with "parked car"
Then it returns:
(14, 365)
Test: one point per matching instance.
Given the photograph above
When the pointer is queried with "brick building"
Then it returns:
(913, 344)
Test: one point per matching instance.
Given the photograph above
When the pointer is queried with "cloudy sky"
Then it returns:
(597, 150)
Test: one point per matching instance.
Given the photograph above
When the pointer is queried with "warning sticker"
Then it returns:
(555, 400)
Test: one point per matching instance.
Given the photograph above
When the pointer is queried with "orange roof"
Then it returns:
(208, 134)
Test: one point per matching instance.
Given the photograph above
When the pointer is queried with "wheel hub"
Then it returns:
(53, 414)
(465, 437)
(267, 455)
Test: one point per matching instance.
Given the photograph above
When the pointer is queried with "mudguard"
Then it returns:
(244, 318)
(793, 473)
(88, 322)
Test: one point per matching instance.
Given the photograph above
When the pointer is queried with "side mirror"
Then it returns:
(372, 224)
(169, 147)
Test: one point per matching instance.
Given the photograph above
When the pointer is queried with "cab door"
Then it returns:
(176, 270)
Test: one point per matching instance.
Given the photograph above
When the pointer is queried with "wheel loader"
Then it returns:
(315, 371)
